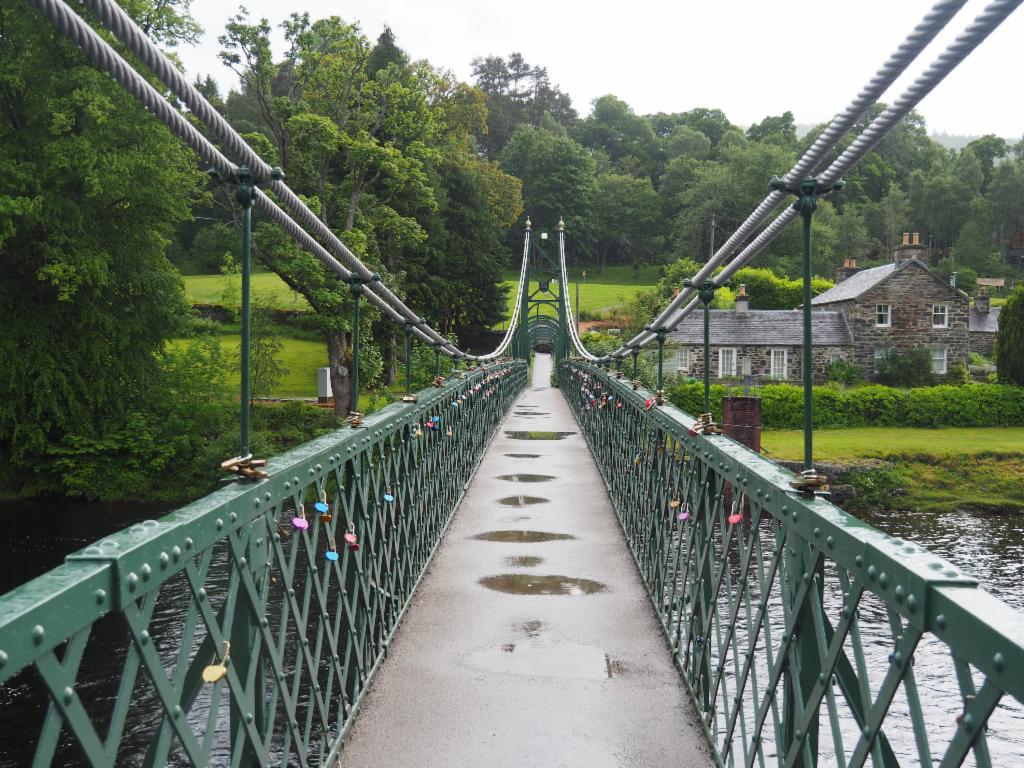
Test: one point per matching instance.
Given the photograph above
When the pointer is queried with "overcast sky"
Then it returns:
(746, 57)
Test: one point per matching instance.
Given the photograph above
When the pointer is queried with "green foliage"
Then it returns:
(908, 368)
(876, 488)
(91, 189)
(769, 291)
(843, 372)
(1010, 339)
(972, 405)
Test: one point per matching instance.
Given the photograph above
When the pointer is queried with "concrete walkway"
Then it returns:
(518, 652)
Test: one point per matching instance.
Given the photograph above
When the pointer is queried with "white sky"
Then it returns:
(745, 57)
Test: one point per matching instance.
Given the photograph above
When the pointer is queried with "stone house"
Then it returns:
(897, 307)
(767, 343)
(983, 325)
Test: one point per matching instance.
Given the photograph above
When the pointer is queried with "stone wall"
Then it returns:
(983, 343)
(760, 360)
(910, 292)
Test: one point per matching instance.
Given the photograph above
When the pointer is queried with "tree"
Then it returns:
(1010, 339)
(91, 189)
(685, 140)
(625, 137)
(780, 129)
(558, 178)
(626, 220)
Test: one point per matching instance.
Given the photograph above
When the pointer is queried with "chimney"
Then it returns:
(917, 238)
(742, 301)
(981, 300)
(906, 238)
(848, 269)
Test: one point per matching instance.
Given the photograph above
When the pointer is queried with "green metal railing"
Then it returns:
(802, 633)
(280, 612)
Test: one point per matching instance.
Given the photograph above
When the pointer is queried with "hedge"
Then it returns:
(782, 405)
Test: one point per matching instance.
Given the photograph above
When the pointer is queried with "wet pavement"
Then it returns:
(558, 663)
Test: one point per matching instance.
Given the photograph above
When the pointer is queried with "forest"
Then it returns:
(427, 178)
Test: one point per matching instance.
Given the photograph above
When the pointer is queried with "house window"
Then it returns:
(883, 315)
(939, 361)
(940, 315)
(835, 357)
(778, 370)
(683, 361)
(880, 354)
(726, 362)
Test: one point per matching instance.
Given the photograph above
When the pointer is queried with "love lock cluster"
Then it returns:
(809, 482)
(705, 425)
(246, 467)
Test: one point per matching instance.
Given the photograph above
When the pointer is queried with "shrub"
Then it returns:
(782, 405)
(843, 372)
(912, 368)
(1010, 339)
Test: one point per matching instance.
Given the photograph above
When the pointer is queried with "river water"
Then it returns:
(35, 537)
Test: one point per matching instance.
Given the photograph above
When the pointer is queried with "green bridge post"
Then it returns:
(245, 194)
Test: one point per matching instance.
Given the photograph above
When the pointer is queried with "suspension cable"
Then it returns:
(104, 56)
(990, 18)
(926, 30)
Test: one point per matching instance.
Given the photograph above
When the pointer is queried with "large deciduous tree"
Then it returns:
(91, 188)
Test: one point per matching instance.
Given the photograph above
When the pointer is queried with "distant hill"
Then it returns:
(948, 140)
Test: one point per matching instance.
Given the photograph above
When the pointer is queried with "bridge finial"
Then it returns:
(529, 224)
(561, 224)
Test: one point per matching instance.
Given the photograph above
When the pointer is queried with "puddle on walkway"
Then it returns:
(527, 478)
(523, 455)
(515, 518)
(520, 434)
(528, 584)
(522, 501)
(531, 628)
(523, 537)
(526, 561)
(566, 660)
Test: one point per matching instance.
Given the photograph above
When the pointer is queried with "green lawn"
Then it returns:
(610, 289)
(301, 357)
(209, 289)
(882, 442)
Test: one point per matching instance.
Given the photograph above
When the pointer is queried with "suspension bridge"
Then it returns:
(397, 593)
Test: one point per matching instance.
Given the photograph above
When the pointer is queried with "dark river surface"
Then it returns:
(35, 536)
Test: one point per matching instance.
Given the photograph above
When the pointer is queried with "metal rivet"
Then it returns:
(883, 580)
(188, 543)
(220, 522)
(940, 621)
(101, 595)
(146, 571)
(872, 572)
(263, 622)
(233, 517)
(817, 533)
(998, 662)
(830, 542)
(132, 581)
(911, 603)
(248, 717)
(176, 712)
(165, 559)
(69, 695)
(243, 562)
(287, 485)
(38, 634)
(144, 637)
(897, 594)
(267, 496)
(201, 594)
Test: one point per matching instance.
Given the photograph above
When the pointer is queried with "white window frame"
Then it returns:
(944, 360)
(885, 309)
(879, 354)
(945, 315)
(784, 374)
(721, 362)
(683, 360)
(835, 357)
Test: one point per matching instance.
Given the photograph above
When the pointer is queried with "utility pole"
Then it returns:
(578, 300)
(711, 252)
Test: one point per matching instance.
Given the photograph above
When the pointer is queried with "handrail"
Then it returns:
(308, 614)
(760, 589)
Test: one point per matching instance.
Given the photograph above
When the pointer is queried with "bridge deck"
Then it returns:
(479, 677)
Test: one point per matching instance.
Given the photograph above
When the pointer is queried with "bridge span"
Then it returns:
(519, 651)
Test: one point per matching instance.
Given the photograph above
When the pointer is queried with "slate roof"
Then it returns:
(781, 327)
(856, 284)
(984, 322)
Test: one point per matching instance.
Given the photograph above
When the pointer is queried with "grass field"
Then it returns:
(931, 470)
(209, 289)
(300, 356)
(611, 289)
(883, 442)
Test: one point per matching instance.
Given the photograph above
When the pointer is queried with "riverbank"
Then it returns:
(925, 470)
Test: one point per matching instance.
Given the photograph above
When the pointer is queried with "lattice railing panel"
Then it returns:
(247, 625)
(805, 636)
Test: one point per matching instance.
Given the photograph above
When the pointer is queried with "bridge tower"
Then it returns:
(542, 310)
